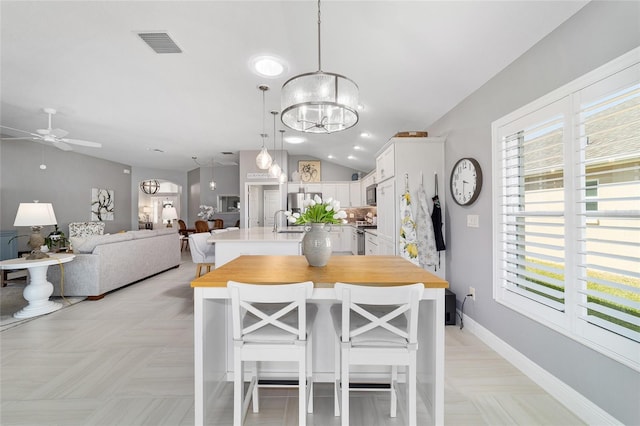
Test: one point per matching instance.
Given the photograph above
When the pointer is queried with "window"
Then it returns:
(567, 202)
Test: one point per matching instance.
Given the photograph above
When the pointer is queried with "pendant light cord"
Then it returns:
(319, 46)
(263, 126)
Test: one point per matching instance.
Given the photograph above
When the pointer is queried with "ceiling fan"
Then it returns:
(56, 137)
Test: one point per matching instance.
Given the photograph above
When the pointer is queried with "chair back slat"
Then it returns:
(268, 304)
(379, 307)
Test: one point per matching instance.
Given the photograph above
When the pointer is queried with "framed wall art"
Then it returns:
(309, 170)
(102, 204)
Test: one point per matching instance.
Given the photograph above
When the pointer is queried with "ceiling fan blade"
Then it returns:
(83, 143)
(18, 130)
(59, 133)
(27, 138)
(61, 145)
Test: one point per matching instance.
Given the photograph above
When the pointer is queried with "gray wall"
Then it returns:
(66, 183)
(227, 183)
(599, 32)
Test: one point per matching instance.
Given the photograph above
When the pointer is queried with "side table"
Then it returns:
(38, 289)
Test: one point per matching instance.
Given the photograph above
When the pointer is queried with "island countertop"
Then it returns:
(256, 234)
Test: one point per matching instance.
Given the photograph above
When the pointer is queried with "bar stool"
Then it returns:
(271, 323)
(376, 326)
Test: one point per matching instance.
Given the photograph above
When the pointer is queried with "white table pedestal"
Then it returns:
(38, 290)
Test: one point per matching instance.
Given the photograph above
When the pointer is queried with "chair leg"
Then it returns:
(336, 377)
(255, 396)
(198, 270)
(302, 390)
(309, 369)
(344, 381)
(393, 391)
(238, 391)
(412, 394)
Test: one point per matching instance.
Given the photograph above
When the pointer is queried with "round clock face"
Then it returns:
(466, 181)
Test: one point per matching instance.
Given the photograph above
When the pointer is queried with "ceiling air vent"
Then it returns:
(160, 42)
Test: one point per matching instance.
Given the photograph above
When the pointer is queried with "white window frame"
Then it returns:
(566, 322)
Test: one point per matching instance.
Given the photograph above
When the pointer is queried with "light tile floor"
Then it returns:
(127, 360)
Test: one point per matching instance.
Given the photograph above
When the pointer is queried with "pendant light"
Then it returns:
(263, 160)
(283, 176)
(319, 102)
(212, 183)
(274, 170)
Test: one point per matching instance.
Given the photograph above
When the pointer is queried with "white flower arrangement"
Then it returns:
(317, 211)
(207, 212)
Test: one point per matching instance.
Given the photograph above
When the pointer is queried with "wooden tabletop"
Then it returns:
(384, 270)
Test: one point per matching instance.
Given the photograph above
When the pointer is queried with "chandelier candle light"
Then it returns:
(263, 160)
(319, 102)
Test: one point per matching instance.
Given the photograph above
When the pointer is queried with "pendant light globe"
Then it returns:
(274, 170)
(263, 160)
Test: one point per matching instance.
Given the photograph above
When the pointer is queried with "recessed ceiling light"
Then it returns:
(360, 107)
(351, 157)
(268, 66)
(357, 147)
(365, 135)
(330, 156)
(155, 150)
(294, 140)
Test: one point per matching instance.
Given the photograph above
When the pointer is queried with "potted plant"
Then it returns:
(317, 217)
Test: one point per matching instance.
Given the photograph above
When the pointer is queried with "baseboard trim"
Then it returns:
(579, 405)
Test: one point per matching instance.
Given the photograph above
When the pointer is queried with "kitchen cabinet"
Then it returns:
(355, 194)
(407, 160)
(342, 194)
(340, 238)
(370, 244)
(385, 164)
(388, 203)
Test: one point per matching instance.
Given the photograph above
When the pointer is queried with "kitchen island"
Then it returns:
(257, 240)
(213, 347)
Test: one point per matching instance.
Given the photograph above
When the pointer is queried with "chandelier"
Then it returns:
(319, 102)
(150, 186)
(263, 160)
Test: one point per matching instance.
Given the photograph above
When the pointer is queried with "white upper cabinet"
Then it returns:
(355, 194)
(385, 164)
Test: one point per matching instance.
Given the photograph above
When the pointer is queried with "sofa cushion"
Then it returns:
(143, 233)
(165, 230)
(89, 243)
(83, 229)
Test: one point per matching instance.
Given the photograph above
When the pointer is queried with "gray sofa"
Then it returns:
(107, 262)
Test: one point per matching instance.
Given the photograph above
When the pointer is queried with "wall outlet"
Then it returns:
(472, 292)
(473, 221)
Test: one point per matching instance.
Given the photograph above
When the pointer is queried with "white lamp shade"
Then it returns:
(169, 213)
(35, 214)
(263, 160)
(275, 170)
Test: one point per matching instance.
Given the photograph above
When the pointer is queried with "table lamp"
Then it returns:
(36, 215)
(169, 214)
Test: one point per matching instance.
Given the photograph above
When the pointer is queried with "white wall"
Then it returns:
(599, 32)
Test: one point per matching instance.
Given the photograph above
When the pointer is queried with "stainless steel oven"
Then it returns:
(360, 237)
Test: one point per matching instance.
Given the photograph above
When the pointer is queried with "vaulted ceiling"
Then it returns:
(413, 61)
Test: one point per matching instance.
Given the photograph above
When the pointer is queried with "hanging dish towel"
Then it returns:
(407, 243)
(428, 255)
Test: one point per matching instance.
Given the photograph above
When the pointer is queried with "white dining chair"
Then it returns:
(376, 326)
(203, 254)
(271, 323)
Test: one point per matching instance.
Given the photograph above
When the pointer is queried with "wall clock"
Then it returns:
(466, 181)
